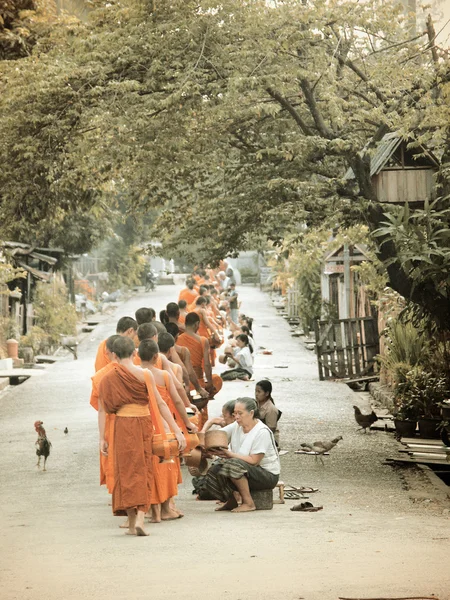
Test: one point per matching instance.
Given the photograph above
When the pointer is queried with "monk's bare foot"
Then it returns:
(229, 505)
(244, 508)
(174, 508)
(140, 531)
(169, 515)
(125, 525)
(154, 514)
(130, 532)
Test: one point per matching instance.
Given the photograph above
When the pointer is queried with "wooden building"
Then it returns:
(401, 173)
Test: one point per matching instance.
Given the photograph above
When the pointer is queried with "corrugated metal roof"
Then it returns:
(385, 149)
(383, 152)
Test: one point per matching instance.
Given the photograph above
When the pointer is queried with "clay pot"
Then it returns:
(216, 439)
(165, 449)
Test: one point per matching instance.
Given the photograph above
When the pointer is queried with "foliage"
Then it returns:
(53, 312)
(405, 346)
(37, 339)
(422, 242)
(125, 264)
(422, 393)
(233, 121)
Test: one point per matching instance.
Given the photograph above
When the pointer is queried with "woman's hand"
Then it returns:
(191, 427)
(223, 453)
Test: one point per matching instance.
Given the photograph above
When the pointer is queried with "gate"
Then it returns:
(346, 348)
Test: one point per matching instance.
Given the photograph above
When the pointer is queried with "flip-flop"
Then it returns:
(306, 507)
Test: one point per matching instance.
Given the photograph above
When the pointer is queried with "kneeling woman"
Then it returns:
(251, 463)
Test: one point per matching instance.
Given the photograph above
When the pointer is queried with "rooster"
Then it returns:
(364, 421)
(42, 444)
(321, 447)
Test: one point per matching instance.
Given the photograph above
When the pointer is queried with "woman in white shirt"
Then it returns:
(250, 463)
(243, 357)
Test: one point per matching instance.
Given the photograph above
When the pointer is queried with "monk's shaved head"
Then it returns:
(165, 342)
(173, 329)
(110, 342)
(182, 304)
(126, 323)
(144, 315)
(191, 319)
(146, 331)
(123, 347)
(160, 328)
(148, 349)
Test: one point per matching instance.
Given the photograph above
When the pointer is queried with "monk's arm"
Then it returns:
(209, 324)
(179, 404)
(179, 386)
(177, 360)
(192, 376)
(207, 365)
(168, 417)
(101, 428)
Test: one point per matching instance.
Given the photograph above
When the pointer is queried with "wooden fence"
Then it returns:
(346, 348)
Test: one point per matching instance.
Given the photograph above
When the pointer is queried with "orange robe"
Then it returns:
(196, 349)
(133, 435)
(106, 462)
(165, 474)
(102, 359)
(188, 295)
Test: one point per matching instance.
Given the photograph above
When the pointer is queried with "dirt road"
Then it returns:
(60, 541)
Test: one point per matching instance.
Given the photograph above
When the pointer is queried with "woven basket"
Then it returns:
(216, 439)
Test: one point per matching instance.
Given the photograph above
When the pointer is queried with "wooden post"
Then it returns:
(347, 281)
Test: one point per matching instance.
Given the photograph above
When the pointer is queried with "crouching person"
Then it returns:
(250, 463)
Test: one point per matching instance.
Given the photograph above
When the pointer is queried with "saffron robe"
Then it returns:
(101, 359)
(133, 460)
(106, 462)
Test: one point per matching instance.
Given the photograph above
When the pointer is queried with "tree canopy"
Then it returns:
(235, 122)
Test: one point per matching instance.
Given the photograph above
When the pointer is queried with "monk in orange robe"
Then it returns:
(106, 462)
(182, 305)
(124, 392)
(199, 352)
(126, 326)
(167, 343)
(207, 328)
(165, 509)
(189, 294)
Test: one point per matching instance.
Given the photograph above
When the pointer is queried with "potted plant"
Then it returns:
(425, 391)
(405, 418)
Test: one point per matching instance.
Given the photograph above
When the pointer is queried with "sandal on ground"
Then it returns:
(306, 507)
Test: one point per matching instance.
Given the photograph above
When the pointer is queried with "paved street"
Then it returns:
(60, 541)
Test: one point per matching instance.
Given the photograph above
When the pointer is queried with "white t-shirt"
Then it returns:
(245, 358)
(258, 440)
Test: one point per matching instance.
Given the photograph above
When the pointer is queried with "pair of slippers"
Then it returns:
(306, 507)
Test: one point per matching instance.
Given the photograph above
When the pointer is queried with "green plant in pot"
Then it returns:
(424, 391)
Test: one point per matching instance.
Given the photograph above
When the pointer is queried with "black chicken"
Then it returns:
(43, 445)
(364, 421)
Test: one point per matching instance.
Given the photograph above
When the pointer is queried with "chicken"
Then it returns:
(43, 445)
(321, 447)
(364, 421)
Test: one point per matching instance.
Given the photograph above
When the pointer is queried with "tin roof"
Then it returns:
(383, 152)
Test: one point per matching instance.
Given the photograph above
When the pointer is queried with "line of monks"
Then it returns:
(145, 374)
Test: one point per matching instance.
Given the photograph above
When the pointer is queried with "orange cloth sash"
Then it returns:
(133, 410)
